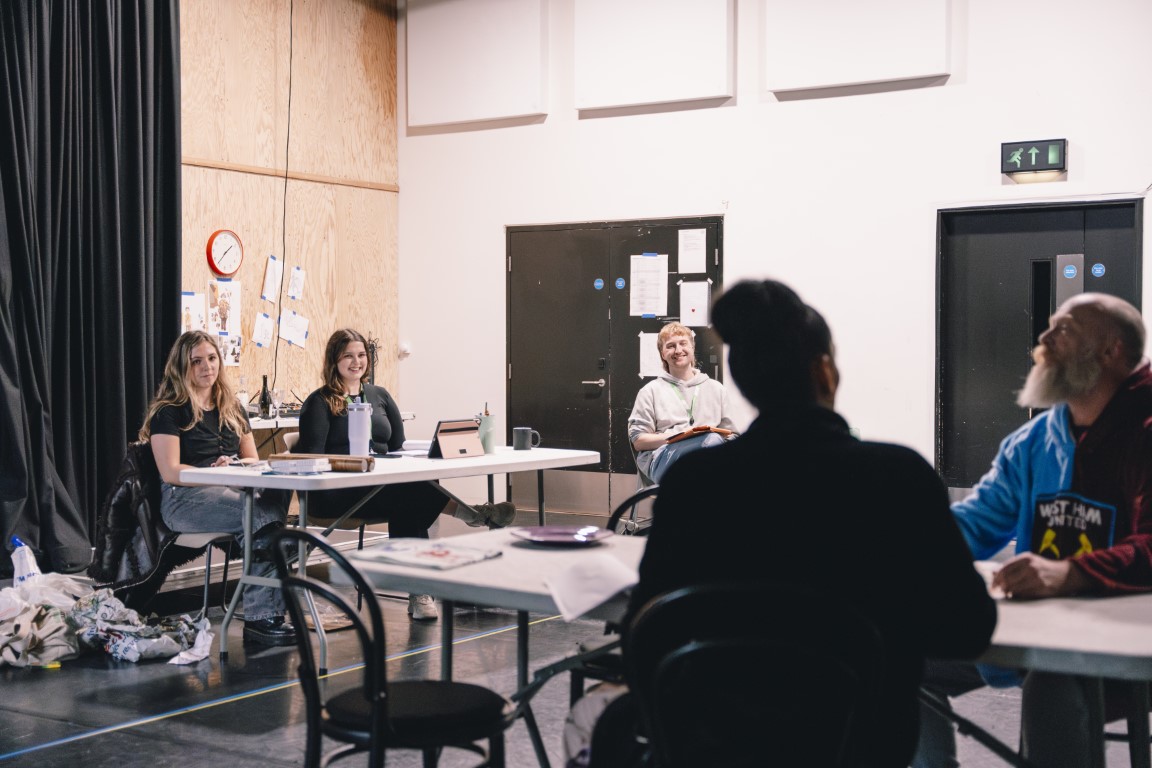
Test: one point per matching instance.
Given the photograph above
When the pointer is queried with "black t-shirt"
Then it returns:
(202, 444)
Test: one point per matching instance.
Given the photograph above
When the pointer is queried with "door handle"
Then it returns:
(599, 382)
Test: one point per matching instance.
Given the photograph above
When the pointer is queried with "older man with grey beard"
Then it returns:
(1073, 489)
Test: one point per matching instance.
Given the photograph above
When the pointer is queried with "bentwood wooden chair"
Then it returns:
(377, 713)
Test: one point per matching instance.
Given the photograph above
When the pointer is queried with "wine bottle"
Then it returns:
(265, 400)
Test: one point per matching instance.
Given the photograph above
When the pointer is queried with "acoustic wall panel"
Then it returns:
(632, 52)
(825, 43)
(476, 60)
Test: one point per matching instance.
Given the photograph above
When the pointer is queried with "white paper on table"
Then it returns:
(293, 328)
(262, 330)
(589, 582)
(192, 315)
(273, 275)
(692, 256)
(296, 283)
(649, 294)
(650, 361)
(694, 303)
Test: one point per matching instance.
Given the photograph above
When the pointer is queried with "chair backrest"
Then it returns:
(298, 587)
(714, 687)
(290, 440)
(642, 478)
(633, 516)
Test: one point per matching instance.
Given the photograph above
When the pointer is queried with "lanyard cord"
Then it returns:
(689, 408)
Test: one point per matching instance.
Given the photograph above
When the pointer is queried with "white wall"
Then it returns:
(828, 194)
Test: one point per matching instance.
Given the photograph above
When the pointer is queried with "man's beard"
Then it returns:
(1051, 381)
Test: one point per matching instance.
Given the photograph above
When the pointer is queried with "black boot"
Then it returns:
(273, 631)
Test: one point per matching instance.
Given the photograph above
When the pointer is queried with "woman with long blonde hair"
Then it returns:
(196, 421)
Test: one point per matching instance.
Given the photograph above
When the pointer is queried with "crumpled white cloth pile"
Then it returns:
(51, 617)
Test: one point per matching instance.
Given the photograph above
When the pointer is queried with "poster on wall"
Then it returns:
(262, 330)
(296, 283)
(230, 348)
(649, 277)
(692, 256)
(650, 362)
(293, 328)
(224, 306)
(694, 302)
(192, 317)
(273, 274)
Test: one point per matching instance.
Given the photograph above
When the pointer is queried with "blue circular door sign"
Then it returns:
(619, 283)
(1070, 271)
(1097, 270)
(598, 284)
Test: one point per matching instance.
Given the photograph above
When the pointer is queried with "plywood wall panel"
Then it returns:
(344, 81)
(337, 116)
(328, 88)
(234, 80)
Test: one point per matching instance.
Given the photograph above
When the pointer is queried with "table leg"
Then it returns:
(1139, 749)
(522, 683)
(540, 494)
(249, 495)
(302, 570)
(447, 623)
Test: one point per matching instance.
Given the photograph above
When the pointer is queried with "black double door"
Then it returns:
(574, 343)
(1002, 273)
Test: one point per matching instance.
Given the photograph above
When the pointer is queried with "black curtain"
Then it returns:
(89, 254)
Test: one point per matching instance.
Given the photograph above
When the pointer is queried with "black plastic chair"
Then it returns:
(628, 518)
(713, 688)
(599, 658)
(379, 714)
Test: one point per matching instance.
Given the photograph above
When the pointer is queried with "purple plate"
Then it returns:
(562, 535)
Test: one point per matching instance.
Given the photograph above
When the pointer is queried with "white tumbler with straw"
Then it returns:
(359, 429)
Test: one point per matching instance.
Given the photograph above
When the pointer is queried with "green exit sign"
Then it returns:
(1028, 156)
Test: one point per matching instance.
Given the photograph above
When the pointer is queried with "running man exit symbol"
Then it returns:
(1028, 156)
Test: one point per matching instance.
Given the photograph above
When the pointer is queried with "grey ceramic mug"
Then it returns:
(524, 438)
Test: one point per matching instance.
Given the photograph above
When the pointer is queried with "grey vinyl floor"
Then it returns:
(247, 711)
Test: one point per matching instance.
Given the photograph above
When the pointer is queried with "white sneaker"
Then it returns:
(422, 608)
(498, 515)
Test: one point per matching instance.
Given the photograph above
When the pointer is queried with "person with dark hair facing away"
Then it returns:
(828, 509)
(196, 421)
(1072, 488)
(409, 508)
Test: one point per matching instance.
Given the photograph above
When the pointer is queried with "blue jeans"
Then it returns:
(203, 509)
(1061, 718)
(664, 456)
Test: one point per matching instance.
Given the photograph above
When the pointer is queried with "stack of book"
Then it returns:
(298, 466)
(320, 462)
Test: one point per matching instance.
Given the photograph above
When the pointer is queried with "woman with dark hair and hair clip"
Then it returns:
(409, 508)
(196, 421)
(679, 399)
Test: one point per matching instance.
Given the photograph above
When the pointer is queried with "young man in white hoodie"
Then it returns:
(680, 399)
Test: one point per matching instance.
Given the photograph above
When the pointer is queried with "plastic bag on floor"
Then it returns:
(102, 621)
(54, 589)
